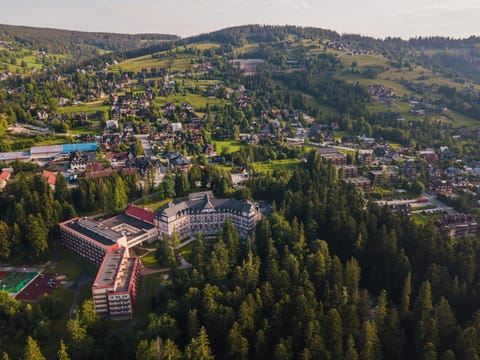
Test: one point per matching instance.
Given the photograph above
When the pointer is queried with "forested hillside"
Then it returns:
(77, 42)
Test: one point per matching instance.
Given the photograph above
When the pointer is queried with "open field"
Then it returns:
(27, 61)
(19, 141)
(269, 166)
(422, 219)
(204, 46)
(197, 101)
(231, 146)
(88, 108)
(160, 60)
(250, 47)
(224, 168)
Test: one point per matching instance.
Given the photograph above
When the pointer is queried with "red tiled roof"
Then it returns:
(5, 175)
(51, 176)
(117, 156)
(140, 213)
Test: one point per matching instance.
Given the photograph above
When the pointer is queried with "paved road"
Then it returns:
(432, 200)
(440, 205)
(332, 146)
(145, 144)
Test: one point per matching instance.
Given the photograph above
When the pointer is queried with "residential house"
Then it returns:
(383, 177)
(51, 178)
(458, 225)
(365, 157)
(347, 171)
(360, 182)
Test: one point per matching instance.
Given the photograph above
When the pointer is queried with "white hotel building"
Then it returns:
(204, 213)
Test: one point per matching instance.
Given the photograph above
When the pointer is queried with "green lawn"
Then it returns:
(459, 120)
(231, 145)
(70, 264)
(53, 140)
(250, 47)
(161, 60)
(224, 168)
(32, 61)
(269, 166)
(91, 107)
(363, 60)
(186, 251)
(422, 219)
(204, 46)
(419, 219)
(27, 141)
(153, 203)
(423, 207)
(149, 261)
(197, 101)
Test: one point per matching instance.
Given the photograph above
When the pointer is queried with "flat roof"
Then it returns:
(95, 231)
(116, 271)
(14, 155)
(125, 219)
(48, 149)
(89, 146)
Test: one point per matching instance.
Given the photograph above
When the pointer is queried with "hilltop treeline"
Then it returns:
(67, 41)
(263, 33)
(453, 57)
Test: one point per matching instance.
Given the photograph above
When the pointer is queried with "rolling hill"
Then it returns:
(77, 42)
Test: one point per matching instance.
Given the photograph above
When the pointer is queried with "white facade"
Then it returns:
(206, 214)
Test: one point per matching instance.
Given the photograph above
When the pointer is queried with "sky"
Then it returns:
(377, 18)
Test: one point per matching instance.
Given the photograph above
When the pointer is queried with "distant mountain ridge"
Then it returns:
(456, 58)
(72, 41)
(453, 57)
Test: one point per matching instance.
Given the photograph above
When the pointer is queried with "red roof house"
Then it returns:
(51, 178)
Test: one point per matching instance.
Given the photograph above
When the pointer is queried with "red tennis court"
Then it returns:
(37, 288)
(2, 274)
